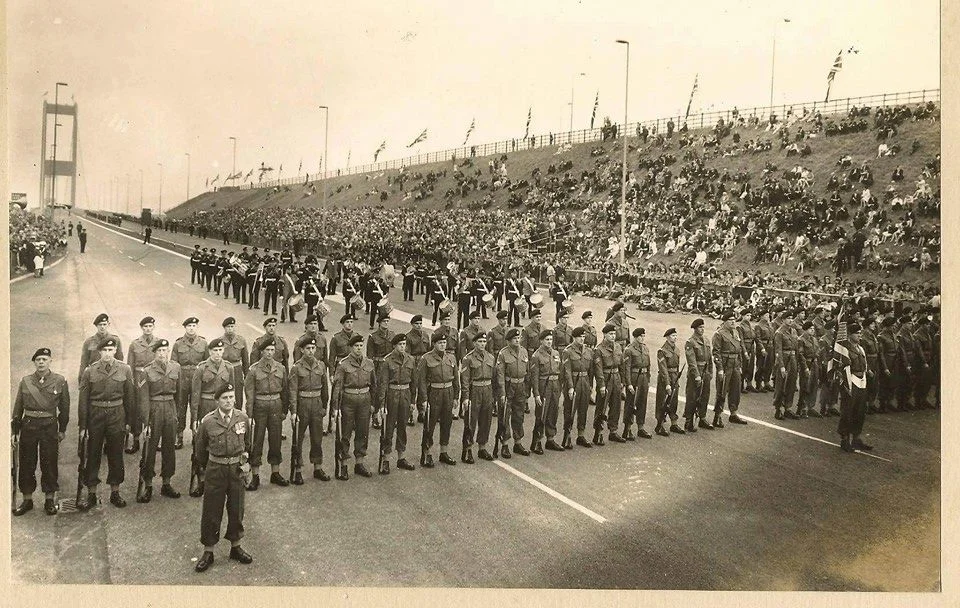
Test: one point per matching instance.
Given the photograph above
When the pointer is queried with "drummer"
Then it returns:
(438, 294)
(378, 293)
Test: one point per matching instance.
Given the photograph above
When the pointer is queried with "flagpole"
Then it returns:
(326, 132)
(773, 59)
(623, 186)
(234, 170)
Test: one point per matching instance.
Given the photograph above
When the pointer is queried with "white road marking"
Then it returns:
(254, 327)
(570, 503)
(208, 301)
(141, 263)
(130, 256)
(158, 272)
(178, 285)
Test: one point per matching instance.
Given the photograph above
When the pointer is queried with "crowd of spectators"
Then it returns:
(32, 234)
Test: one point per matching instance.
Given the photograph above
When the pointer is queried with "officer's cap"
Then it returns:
(190, 321)
(101, 318)
(356, 339)
(106, 343)
(216, 343)
(226, 388)
(229, 321)
(146, 320)
(41, 352)
(670, 332)
(696, 323)
(397, 339)
(159, 344)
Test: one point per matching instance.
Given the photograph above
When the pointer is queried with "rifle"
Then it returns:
(296, 456)
(383, 443)
(73, 505)
(339, 466)
(466, 430)
(141, 482)
(423, 436)
(500, 429)
(14, 465)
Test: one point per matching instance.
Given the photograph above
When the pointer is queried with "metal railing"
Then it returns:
(701, 120)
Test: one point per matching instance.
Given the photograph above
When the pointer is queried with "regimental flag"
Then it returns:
(696, 78)
(376, 152)
(839, 363)
(596, 104)
(216, 179)
(837, 66)
(526, 134)
(420, 138)
(473, 123)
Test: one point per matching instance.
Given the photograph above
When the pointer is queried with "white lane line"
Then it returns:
(254, 327)
(158, 272)
(178, 285)
(141, 263)
(785, 429)
(208, 301)
(570, 503)
(130, 256)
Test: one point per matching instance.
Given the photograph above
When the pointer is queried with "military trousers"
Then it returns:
(163, 431)
(397, 402)
(355, 425)
(477, 422)
(310, 413)
(635, 409)
(105, 425)
(268, 416)
(223, 484)
(441, 402)
(38, 441)
(547, 412)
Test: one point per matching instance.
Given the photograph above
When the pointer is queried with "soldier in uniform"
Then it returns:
(530, 337)
(468, 334)
(340, 342)
(220, 270)
(887, 365)
(498, 289)
(853, 391)
(545, 385)
(906, 363)
(449, 333)
(311, 326)
(476, 397)
(497, 336)
(608, 371)
(139, 356)
(107, 400)
(418, 343)
(222, 449)
(272, 278)
(785, 362)
(753, 349)
(353, 384)
(590, 335)
(924, 349)
(195, 274)
(350, 291)
(699, 374)
(439, 385)
(379, 345)
(728, 354)
(210, 375)
(809, 371)
(478, 290)
(409, 280)
(158, 393)
(378, 290)
(513, 391)
(765, 356)
(265, 392)
(437, 294)
(868, 341)
(238, 280)
(281, 351)
(558, 291)
(189, 350)
(255, 270)
(235, 347)
(577, 362)
(41, 412)
(309, 395)
(668, 375)
(562, 333)
(396, 399)
(618, 320)
(636, 361)
(513, 294)
(828, 389)
(464, 295)
(91, 346)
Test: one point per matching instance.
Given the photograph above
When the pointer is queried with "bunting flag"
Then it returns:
(839, 363)
(348, 157)
(529, 116)
(300, 168)
(696, 78)
(420, 138)
(248, 176)
(264, 169)
(376, 152)
(469, 131)
(837, 66)
(596, 104)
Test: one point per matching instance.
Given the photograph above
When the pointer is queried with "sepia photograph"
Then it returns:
(587, 296)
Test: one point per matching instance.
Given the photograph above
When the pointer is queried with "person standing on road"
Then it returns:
(210, 375)
(309, 395)
(809, 371)
(90, 352)
(189, 351)
(636, 360)
(439, 385)
(41, 412)
(668, 374)
(764, 332)
(699, 374)
(222, 447)
(609, 373)
(311, 326)
(280, 352)
(853, 395)
(265, 392)
(476, 385)
(106, 404)
(147, 231)
(139, 355)
(753, 350)
(545, 385)
(379, 345)
(159, 389)
(513, 389)
(418, 344)
(396, 398)
(353, 383)
(340, 343)
(728, 355)
(785, 355)
(577, 386)
(82, 236)
(235, 347)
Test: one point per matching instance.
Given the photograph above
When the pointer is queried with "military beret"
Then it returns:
(639, 332)
(416, 319)
(311, 319)
(616, 306)
(226, 388)
(696, 323)
(444, 315)
(383, 318)
(41, 352)
(216, 343)
(147, 320)
(475, 314)
(268, 343)
(546, 333)
(746, 313)
(787, 313)
(159, 344)
(198, 247)
(512, 333)
(397, 339)
(578, 331)
(346, 318)
(308, 341)
(106, 343)
(854, 328)
(726, 316)
(608, 328)
(355, 339)
(586, 315)
(101, 318)
(807, 324)
(229, 321)
(564, 313)
(888, 321)
(269, 320)
(503, 314)
(670, 332)
(480, 337)
(190, 321)
(437, 337)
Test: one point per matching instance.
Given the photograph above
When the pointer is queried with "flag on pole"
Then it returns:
(529, 116)
(300, 168)
(216, 179)
(692, 92)
(469, 131)
(839, 363)
(376, 152)
(207, 183)
(348, 157)
(837, 66)
(420, 138)
(248, 176)
(596, 104)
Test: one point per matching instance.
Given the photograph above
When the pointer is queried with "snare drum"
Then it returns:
(445, 305)
(536, 300)
(487, 299)
(567, 305)
(356, 300)
(322, 309)
(384, 308)
(521, 305)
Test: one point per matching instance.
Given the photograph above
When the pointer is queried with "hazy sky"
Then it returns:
(156, 80)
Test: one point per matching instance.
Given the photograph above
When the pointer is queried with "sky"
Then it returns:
(157, 81)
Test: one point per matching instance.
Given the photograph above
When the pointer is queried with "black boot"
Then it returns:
(675, 428)
(146, 496)
(25, 507)
(661, 431)
(598, 438)
(567, 442)
(717, 420)
(582, 442)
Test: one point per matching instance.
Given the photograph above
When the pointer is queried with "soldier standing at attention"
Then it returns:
(608, 370)
(222, 447)
(785, 353)
(235, 347)
(195, 274)
(497, 337)
(476, 385)
(809, 371)
(907, 358)
(379, 345)
(513, 391)
(887, 345)
(562, 333)
(545, 385)
(340, 343)
(158, 393)
(728, 354)
(139, 356)
(309, 395)
(91, 346)
(577, 364)
(265, 392)
(209, 376)
(828, 389)
(107, 400)
(868, 340)
(188, 350)
(396, 397)
(668, 373)
(41, 412)
(590, 337)
(699, 374)
(530, 338)
(280, 350)
(752, 350)
(418, 343)
(853, 390)
(764, 332)
(353, 383)
(439, 385)
(468, 334)
(311, 326)
(636, 361)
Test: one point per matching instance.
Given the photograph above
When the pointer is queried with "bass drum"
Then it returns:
(384, 308)
(536, 300)
(521, 304)
(296, 302)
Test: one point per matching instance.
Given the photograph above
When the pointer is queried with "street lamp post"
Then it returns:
(773, 59)
(234, 170)
(326, 132)
(160, 195)
(56, 119)
(572, 81)
(188, 175)
(623, 186)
